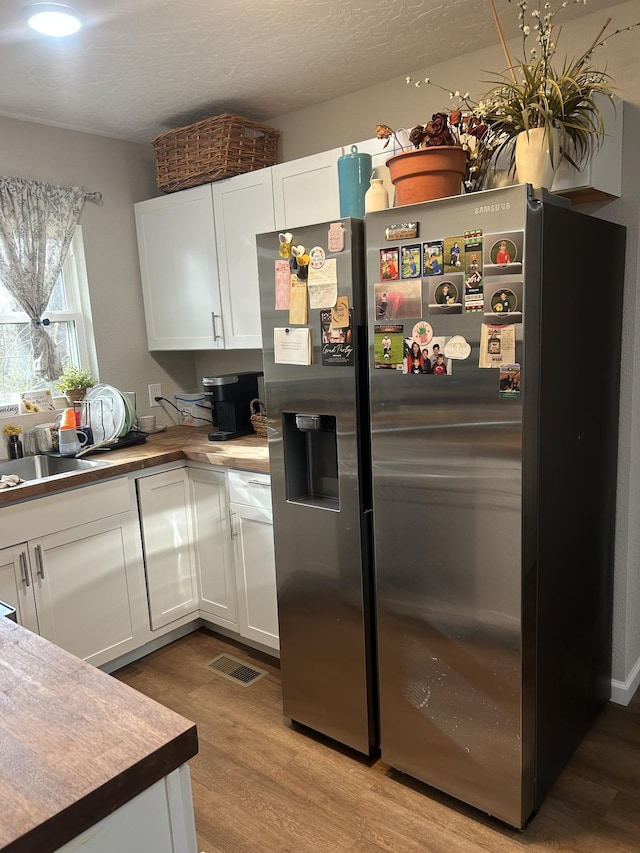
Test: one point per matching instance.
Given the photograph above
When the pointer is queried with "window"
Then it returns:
(70, 327)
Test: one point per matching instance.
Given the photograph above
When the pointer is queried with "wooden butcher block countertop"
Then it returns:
(248, 453)
(75, 744)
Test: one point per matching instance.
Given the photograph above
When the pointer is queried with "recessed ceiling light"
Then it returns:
(53, 19)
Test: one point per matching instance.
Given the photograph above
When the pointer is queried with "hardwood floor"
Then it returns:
(263, 786)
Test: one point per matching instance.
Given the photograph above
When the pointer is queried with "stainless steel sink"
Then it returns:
(45, 467)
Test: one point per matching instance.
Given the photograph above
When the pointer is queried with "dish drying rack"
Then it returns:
(98, 414)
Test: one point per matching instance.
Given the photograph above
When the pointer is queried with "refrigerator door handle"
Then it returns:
(231, 527)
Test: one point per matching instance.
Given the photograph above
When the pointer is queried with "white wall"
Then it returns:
(353, 117)
(124, 174)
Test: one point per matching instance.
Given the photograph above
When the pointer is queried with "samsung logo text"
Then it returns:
(493, 208)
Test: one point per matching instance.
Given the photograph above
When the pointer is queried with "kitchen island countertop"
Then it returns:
(76, 743)
(248, 453)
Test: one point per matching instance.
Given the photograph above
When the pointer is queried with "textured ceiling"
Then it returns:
(142, 66)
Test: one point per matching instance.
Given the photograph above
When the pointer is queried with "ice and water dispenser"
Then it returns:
(311, 459)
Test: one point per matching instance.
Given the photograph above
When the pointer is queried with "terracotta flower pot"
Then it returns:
(428, 173)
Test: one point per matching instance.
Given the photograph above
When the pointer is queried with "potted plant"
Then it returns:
(451, 150)
(536, 106)
(544, 109)
(73, 383)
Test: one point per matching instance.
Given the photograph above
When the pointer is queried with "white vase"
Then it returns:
(533, 157)
(376, 197)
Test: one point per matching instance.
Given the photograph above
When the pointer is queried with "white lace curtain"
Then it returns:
(37, 222)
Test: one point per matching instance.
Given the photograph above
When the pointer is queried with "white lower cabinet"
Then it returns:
(16, 586)
(252, 532)
(198, 562)
(167, 534)
(214, 557)
(159, 819)
(234, 552)
(206, 551)
(81, 587)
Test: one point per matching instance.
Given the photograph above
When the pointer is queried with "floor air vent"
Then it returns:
(235, 670)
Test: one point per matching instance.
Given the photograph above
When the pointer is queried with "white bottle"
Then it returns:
(376, 197)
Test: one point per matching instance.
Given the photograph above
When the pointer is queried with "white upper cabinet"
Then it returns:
(305, 191)
(179, 270)
(243, 208)
(601, 177)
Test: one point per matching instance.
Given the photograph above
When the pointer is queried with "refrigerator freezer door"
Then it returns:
(320, 489)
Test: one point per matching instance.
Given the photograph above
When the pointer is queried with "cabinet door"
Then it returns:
(86, 581)
(243, 208)
(165, 515)
(160, 819)
(214, 559)
(305, 191)
(16, 584)
(252, 530)
(179, 270)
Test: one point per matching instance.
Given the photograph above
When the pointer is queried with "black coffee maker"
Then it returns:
(230, 397)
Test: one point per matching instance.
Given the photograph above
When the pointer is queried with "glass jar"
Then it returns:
(30, 442)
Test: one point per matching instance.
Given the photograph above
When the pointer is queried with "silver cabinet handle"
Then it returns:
(233, 532)
(24, 571)
(259, 483)
(39, 562)
(215, 330)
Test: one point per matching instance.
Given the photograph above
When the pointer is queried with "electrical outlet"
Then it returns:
(154, 391)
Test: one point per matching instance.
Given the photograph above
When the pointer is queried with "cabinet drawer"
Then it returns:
(250, 489)
(43, 516)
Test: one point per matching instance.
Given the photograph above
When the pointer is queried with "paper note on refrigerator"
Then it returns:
(323, 285)
(298, 311)
(282, 285)
(292, 346)
(497, 345)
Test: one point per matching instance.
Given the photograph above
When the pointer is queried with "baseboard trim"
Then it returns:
(170, 636)
(152, 646)
(622, 691)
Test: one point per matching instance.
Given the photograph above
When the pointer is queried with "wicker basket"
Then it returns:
(258, 417)
(212, 149)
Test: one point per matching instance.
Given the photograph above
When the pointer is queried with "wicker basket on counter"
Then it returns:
(258, 417)
(212, 149)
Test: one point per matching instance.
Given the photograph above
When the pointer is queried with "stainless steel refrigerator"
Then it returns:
(494, 479)
(320, 476)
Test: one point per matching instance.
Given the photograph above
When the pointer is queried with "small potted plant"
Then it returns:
(74, 382)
